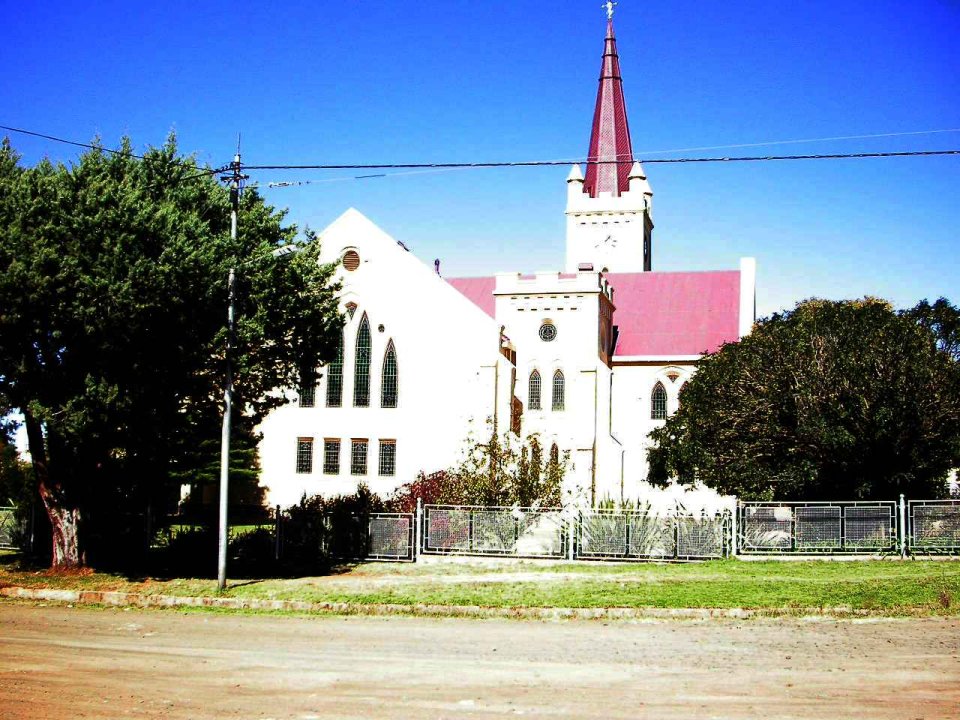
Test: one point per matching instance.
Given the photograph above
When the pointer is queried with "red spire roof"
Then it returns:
(610, 138)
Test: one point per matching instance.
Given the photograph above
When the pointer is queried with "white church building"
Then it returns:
(591, 358)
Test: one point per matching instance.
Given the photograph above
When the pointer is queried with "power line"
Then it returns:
(71, 142)
(90, 146)
(804, 140)
(651, 161)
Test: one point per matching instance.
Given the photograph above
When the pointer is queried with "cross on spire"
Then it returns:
(609, 6)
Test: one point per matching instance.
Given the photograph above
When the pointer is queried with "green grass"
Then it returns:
(876, 587)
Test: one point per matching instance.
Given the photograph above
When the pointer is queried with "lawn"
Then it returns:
(877, 587)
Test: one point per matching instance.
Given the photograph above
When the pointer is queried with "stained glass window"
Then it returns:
(658, 402)
(533, 395)
(331, 457)
(388, 457)
(335, 378)
(361, 382)
(388, 385)
(358, 457)
(304, 455)
(558, 390)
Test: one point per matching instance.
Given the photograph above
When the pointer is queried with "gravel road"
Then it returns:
(59, 662)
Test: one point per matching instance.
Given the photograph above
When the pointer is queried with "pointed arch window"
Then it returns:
(361, 381)
(388, 384)
(335, 377)
(559, 390)
(533, 394)
(658, 402)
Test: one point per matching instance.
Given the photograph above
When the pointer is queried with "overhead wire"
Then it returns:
(418, 168)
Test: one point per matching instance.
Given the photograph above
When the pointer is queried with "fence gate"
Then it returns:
(934, 526)
(391, 537)
(817, 527)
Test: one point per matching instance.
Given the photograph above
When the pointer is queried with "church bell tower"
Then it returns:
(610, 210)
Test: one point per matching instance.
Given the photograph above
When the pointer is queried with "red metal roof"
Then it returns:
(658, 313)
(675, 313)
(610, 137)
(479, 291)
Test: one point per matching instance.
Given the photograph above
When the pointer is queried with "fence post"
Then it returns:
(277, 528)
(733, 527)
(571, 530)
(418, 530)
(903, 527)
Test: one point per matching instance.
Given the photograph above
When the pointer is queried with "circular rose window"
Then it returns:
(548, 331)
(351, 260)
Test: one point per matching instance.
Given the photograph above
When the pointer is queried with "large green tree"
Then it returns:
(113, 296)
(832, 400)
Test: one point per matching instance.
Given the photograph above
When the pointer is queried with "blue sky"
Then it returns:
(340, 82)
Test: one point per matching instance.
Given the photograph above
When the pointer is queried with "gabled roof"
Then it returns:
(610, 136)
(659, 314)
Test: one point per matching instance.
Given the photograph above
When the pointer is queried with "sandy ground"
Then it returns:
(58, 662)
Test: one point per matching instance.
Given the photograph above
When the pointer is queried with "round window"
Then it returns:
(548, 331)
(351, 260)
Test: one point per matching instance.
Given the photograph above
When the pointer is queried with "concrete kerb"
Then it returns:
(124, 599)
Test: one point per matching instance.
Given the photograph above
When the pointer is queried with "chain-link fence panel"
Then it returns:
(391, 536)
(651, 536)
(8, 527)
(870, 527)
(934, 526)
(702, 537)
(817, 527)
(447, 529)
(633, 535)
(765, 528)
(494, 531)
(505, 531)
(603, 534)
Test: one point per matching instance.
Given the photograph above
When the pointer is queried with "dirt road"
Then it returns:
(58, 662)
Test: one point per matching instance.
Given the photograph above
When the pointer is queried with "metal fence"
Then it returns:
(8, 527)
(934, 526)
(391, 536)
(626, 534)
(504, 531)
(817, 527)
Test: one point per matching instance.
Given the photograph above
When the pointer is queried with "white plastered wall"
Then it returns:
(452, 377)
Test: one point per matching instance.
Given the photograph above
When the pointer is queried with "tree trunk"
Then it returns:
(64, 520)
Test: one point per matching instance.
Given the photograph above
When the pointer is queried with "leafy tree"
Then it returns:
(832, 400)
(14, 474)
(501, 471)
(113, 320)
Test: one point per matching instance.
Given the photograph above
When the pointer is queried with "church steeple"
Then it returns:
(610, 209)
(610, 137)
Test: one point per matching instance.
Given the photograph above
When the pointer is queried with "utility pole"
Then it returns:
(235, 178)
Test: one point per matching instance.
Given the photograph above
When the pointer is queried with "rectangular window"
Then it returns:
(331, 457)
(304, 455)
(358, 457)
(388, 457)
(308, 396)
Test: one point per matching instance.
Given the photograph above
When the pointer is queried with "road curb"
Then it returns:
(125, 599)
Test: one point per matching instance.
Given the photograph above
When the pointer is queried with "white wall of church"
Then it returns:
(451, 375)
(632, 411)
